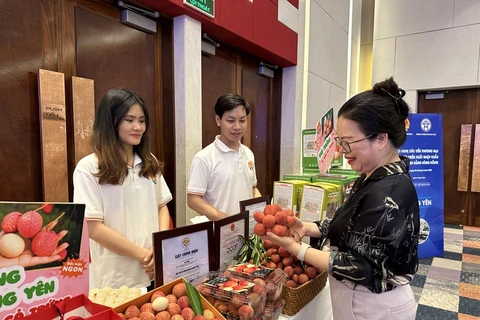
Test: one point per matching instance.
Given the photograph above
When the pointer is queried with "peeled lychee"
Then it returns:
(179, 290)
(29, 224)
(176, 317)
(10, 221)
(208, 314)
(44, 243)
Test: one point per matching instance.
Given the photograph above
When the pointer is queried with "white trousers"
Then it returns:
(362, 304)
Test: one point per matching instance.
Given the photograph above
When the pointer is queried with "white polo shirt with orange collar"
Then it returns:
(223, 176)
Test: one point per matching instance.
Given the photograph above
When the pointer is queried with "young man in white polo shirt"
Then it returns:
(223, 173)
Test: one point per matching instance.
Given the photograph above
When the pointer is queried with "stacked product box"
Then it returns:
(300, 177)
(347, 172)
(344, 182)
(288, 194)
(235, 298)
(271, 279)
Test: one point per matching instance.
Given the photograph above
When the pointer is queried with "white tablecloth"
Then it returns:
(320, 308)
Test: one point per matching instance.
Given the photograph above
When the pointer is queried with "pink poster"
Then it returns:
(325, 141)
(44, 256)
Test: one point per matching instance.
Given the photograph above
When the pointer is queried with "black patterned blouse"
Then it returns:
(374, 235)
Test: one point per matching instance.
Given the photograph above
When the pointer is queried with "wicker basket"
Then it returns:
(295, 299)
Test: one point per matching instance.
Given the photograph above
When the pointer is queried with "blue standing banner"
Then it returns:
(424, 148)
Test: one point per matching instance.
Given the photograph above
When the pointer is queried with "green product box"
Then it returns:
(332, 198)
(309, 153)
(348, 172)
(344, 182)
(310, 171)
(288, 194)
(302, 177)
(314, 199)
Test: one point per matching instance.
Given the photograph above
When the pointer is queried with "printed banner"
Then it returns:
(424, 148)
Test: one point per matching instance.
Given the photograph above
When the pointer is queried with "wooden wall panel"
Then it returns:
(83, 115)
(51, 88)
(21, 55)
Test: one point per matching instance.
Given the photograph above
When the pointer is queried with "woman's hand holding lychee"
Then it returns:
(28, 259)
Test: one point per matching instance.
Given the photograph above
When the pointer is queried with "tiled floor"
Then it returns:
(448, 287)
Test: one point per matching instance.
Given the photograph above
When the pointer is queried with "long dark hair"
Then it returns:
(113, 169)
(379, 110)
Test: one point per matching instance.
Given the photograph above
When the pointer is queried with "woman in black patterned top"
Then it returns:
(373, 237)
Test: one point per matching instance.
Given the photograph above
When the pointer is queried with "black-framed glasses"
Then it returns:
(345, 145)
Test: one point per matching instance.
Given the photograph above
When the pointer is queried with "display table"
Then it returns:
(320, 308)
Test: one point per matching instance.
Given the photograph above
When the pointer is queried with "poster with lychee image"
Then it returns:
(44, 255)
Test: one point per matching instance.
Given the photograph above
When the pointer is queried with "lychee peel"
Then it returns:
(44, 243)
(29, 224)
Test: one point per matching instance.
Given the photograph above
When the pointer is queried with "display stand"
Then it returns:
(320, 308)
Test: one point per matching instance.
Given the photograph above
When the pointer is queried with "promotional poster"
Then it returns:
(424, 148)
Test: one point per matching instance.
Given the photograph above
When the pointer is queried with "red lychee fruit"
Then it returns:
(288, 212)
(275, 258)
(183, 302)
(174, 308)
(267, 244)
(281, 218)
(179, 290)
(132, 311)
(47, 208)
(288, 271)
(311, 272)
(199, 317)
(146, 316)
(44, 243)
(279, 230)
(287, 261)
(269, 210)
(258, 216)
(291, 221)
(171, 298)
(122, 316)
(156, 294)
(188, 314)
(245, 312)
(269, 221)
(29, 224)
(259, 229)
(302, 278)
(147, 307)
(163, 315)
(283, 253)
(10, 221)
(291, 284)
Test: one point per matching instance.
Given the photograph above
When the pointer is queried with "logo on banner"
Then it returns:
(426, 125)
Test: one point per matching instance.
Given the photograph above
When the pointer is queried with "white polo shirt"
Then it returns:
(130, 209)
(223, 176)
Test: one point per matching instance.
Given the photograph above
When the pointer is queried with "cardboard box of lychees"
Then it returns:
(178, 306)
(44, 254)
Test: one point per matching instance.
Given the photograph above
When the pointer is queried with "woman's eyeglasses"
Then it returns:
(345, 145)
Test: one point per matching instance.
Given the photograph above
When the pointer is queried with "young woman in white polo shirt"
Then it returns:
(124, 191)
(223, 173)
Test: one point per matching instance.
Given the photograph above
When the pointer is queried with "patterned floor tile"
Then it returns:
(447, 264)
(418, 281)
(453, 230)
(417, 292)
(470, 244)
(422, 269)
(453, 245)
(453, 255)
(469, 291)
(455, 236)
(429, 313)
(474, 251)
(444, 273)
(471, 258)
(462, 316)
(470, 267)
(467, 228)
(427, 261)
(445, 299)
(469, 306)
(470, 277)
(472, 237)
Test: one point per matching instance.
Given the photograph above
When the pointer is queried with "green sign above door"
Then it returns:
(206, 7)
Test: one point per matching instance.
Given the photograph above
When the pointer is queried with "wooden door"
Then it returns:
(231, 71)
(458, 107)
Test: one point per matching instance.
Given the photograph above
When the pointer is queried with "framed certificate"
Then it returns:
(252, 206)
(183, 252)
(227, 240)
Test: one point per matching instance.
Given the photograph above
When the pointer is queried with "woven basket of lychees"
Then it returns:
(303, 282)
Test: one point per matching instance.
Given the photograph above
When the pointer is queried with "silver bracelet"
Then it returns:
(302, 251)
